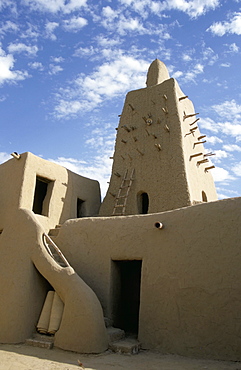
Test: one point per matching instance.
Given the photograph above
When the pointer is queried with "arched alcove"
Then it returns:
(143, 202)
(204, 196)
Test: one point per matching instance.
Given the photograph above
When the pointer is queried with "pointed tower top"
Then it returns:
(157, 73)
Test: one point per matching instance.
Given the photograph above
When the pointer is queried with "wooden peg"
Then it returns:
(202, 161)
(195, 155)
(199, 142)
(139, 151)
(148, 133)
(122, 157)
(209, 154)
(183, 97)
(135, 138)
(113, 195)
(165, 97)
(154, 135)
(126, 128)
(167, 128)
(117, 174)
(189, 115)
(144, 118)
(194, 122)
(111, 157)
(158, 146)
(209, 168)
(123, 141)
(131, 107)
(193, 129)
(165, 110)
(201, 137)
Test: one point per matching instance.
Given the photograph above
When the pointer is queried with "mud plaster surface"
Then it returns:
(22, 357)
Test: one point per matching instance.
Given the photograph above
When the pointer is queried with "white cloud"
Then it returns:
(6, 3)
(232, 148)
(49, 30)
(85, 52)
(233, 48)
(8, 26)
(225, 65)
(4, 157)
(36, 65)
(106, 41)
(220, 174)
(22, 48)
(57, 59)
(109, 80)
(74, 24)
(114, 20)
(192, 73)
(214, 140)
(220, 155)
(237, 169)
(186, 58)
(228, 109)
(233, 26)
(31, 32)
(54, 6)
(53, 69)
(7, 74)
(193, 8)
(209, 56)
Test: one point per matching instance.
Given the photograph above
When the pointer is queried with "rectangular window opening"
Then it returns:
(81, 211)
(42, 195)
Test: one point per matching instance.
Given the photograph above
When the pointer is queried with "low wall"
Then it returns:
(190, 280)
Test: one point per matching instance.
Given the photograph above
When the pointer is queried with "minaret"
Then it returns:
(159, 162)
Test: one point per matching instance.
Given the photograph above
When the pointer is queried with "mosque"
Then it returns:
(158, 261)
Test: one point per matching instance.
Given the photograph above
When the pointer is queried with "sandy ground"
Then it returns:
(23, 357)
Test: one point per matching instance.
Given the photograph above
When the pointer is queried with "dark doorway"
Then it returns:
(41, 200)
(80, 208)
(126, 277)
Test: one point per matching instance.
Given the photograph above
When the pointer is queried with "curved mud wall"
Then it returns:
(23, 291)
(190, 283)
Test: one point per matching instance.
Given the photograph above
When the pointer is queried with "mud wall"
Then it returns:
(190, 280)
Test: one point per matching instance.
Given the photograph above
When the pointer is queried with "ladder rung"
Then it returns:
(121, 196)
(119, 205)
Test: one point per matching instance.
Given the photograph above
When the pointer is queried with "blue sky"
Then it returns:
(66, 66)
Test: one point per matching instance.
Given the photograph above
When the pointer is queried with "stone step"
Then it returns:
(108, 322)
(42, 341)
(115, 334)
(126, 346)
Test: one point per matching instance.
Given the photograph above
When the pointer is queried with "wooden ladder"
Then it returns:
(123, 192)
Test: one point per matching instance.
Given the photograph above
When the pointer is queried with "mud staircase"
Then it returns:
(55, 253)
(123, 192)
(119, 342)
